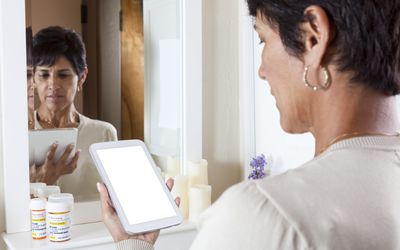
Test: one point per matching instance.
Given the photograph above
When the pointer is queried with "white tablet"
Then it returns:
(139, 194)
(40, 142)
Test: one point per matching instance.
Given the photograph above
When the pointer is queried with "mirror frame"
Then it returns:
(13, 128)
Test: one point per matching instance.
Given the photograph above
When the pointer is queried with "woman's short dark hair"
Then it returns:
(28, 36)
(53, 42)
(367, 35)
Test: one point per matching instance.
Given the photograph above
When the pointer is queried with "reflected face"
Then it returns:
(31, 88)
(283, 73)
(56, 85)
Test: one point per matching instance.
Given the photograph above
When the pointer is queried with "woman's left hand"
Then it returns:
(51, 171)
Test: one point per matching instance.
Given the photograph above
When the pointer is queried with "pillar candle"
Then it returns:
(197, 172)
(173, 166)
(181, 189)
(199, 200)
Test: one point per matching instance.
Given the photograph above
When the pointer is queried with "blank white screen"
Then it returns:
(138, 189)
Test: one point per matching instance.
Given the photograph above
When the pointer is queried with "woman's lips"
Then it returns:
(54, 98)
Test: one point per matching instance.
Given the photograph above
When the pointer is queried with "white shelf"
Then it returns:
(83, 235)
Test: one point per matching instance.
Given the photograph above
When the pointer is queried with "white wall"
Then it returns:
(2, 215)
(220, 93)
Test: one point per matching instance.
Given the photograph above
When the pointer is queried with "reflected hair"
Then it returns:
(28, 36)
(52, 42)
(366, 39)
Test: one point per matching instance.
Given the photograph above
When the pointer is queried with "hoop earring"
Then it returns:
(324, 85)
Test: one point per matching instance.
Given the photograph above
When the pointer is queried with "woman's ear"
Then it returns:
(82, 78)
(317, 34)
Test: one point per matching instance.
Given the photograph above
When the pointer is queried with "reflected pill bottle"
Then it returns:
(58, 221)
(44, 192)
(38, 218)
(33, 188)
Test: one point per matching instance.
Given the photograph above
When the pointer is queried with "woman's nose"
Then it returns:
(261, 72)
(51, 83)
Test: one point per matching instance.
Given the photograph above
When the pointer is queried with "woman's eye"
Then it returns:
(261, 41)
(43, 75)
(63, 76)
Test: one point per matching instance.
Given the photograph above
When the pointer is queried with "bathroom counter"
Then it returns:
(95, 236)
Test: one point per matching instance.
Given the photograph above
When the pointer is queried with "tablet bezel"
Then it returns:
(140, 227)
(40, 141)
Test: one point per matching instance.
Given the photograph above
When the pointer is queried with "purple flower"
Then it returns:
(258, 165)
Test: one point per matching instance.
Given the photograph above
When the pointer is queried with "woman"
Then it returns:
(29, 77)
(333, 68)
(60, 70)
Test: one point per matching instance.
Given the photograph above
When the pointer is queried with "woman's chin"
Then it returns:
(291, 127)
(53, 108)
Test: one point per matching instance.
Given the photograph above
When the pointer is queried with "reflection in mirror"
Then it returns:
(29, 77)
(60, 70)
(115, 89)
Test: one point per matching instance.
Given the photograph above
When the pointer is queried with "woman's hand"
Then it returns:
(113, 223)
(50, 171)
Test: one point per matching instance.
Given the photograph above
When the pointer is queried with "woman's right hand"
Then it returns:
(50, 171)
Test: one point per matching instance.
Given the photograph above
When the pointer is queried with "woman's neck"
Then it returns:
(351, 113)
(68, 117)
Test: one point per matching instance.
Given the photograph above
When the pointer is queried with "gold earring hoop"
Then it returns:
(324, 85)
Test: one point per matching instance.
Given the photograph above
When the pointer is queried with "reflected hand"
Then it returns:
(51, 171)
(113, 223)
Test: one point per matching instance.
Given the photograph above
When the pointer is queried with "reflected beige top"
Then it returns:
(346, 198)
(82, 182)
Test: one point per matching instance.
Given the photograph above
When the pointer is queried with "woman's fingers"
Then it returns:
(74, 163)
(170, 184)
(105, 199)
(52, 152)
(32, 173)
(67, 152)
(178, 201)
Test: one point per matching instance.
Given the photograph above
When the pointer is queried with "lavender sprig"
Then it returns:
(258, 165)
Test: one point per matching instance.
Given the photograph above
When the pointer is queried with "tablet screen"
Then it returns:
(137, 187)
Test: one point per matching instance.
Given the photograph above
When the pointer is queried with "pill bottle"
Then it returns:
(33, 188)
(63, 197)
(58, 221)
(38, 218)
(44, 192)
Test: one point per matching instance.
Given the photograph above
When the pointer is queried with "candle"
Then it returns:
(197, 172)
(173, 166)
(199, 200)
(181, 189)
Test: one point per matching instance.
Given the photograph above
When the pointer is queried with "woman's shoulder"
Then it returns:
(241, 209)
(88, 125)
(89, 122)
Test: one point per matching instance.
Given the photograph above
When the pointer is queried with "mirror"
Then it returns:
(14, 102)
(134, 80)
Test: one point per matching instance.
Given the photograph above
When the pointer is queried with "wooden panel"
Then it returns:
(132, 75)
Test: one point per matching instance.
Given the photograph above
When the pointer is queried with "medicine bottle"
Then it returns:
(58, 220)
(38, 218)
(33, 188)
(44, 192)
(63, 197)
